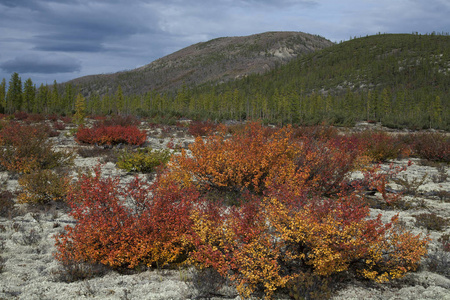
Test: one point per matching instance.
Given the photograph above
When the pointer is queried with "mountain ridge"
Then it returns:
(217, 60)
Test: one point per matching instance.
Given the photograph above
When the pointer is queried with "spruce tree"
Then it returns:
(29, 95)
(68, 99)
(3, 96)
(14, 96)
(55, 102)
(40, 102)
(119, 100)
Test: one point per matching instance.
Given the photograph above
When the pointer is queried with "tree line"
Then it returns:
(398, 80)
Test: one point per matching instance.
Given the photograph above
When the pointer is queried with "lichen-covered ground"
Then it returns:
(29, 270)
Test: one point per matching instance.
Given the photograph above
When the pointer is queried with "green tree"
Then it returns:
(55, 102)
(119, 100)
(3, 96)
(68, 99)
(80, 110)
(29, 95)
(14, 96)
(41, 99)
(436, 115)
(385, 102)
(106, 105)
(94, 106)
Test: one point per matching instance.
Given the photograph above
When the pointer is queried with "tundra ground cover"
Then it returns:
(298, 212)
(250, 243)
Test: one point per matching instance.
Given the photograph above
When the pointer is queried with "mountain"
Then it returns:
(218, 60)
(402, 80)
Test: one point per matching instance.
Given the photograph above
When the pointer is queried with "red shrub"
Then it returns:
(201, 128)
(66, 120)
(380, 146)
(151, 230)
(58, 125)
(431, 146)
(20, 115)
(322, 166)
(53, 117)
(111, 135)
(317, 132)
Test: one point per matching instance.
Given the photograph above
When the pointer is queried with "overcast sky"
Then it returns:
(48, 40)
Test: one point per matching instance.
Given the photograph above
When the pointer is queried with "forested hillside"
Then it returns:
(401, 80)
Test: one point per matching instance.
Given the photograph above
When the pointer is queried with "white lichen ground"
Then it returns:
(31, 272)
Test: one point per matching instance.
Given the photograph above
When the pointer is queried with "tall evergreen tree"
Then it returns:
(14, 96)
(3, 96)
(41, 99)
(68, 99)
(29, 95)
(385, 102)
(55, 102)
(119, 101)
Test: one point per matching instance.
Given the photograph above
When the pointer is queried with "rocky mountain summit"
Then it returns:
(217, 60)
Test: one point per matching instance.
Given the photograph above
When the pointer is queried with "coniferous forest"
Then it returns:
(400, 80)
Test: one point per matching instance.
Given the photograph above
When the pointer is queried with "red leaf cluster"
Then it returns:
(111, 135)
(126, 227)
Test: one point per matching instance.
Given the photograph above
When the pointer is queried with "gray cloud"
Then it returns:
(93, 36)
(43, 65)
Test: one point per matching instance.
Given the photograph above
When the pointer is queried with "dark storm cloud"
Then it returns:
(42, 65)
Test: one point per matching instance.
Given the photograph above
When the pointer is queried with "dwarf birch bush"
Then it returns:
(150, 231)
(26, 148)
(143, 160)
(297, 214)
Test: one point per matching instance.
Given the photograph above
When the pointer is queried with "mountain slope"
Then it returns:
(399, 79)
(217, 60)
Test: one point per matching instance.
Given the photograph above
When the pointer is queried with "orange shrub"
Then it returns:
(257, 158)
(243, 161)
(298, 214)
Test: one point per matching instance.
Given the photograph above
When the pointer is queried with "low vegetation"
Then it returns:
(26, 148)
(294, 213)
(266, 209)
(111, 135)
(143, 160)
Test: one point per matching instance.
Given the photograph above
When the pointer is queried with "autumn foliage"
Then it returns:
(111, 135)
(26, 148)
(243, 161)
(431, 146)
(298, 213)
(381, 146)
(149, 231)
